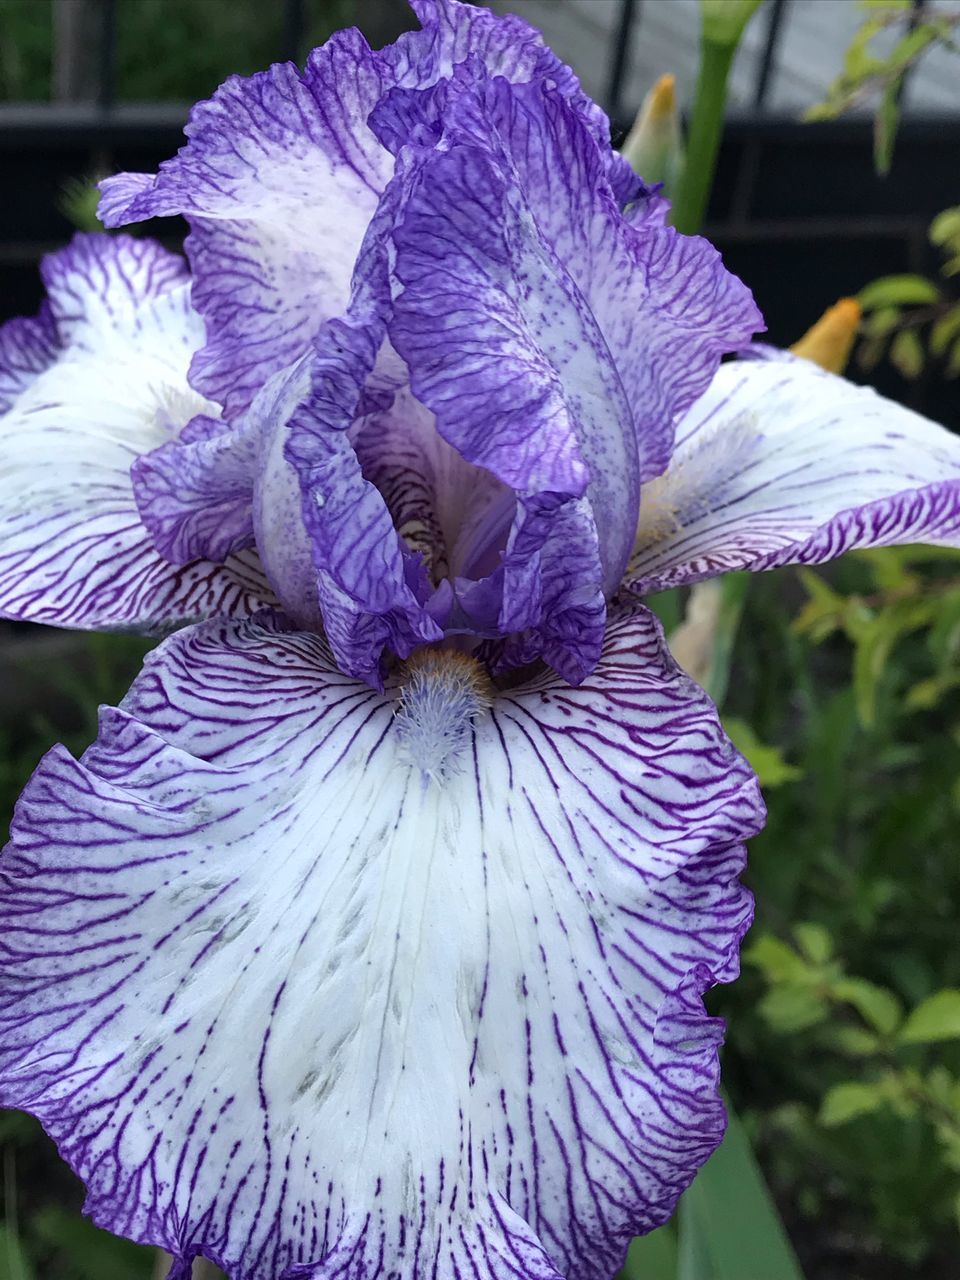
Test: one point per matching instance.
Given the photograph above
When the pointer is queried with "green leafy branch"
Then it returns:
(911, 318)
(904, 602)
(810, 991)
(867, 74)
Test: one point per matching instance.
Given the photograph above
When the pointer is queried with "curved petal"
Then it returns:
(279, 179)
(781, 463)
(555, 342)
(195, 493)
(73, 550)
(281, 176)
(290, 992)
(28, 345)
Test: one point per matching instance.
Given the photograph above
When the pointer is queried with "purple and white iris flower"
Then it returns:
(369, 938)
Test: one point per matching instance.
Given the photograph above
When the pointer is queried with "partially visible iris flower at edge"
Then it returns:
(369, 938)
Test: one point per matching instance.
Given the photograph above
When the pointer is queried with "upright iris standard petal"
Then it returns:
(781, 463)
(98, 379)
(281, 176)
(663, 306)
(323, 982)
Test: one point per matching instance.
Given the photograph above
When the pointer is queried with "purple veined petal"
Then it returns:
(322, 982)
(502, 349)
(555, 342)
(281, 175)
(195, 493)
(73, 551)
(665, 305)
(278, 179)
(508, 47)
(781, 463)
(552, 604)
(28, 345)
(323, 529)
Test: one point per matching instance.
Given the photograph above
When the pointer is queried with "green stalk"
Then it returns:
(703, 141)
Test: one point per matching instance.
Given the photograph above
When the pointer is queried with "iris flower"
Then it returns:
(369, 938)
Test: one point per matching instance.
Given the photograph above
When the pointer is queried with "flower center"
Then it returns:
(442, 692)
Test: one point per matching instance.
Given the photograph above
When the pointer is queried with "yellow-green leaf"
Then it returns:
(845, 1102)
(936, 1018)
(899, 290)
(876, 1005)
(767, 762)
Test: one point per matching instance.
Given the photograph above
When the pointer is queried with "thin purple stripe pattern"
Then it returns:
(283, 1001)
(780, 463)
(97, 380)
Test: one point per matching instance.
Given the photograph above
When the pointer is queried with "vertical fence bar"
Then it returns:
(629, 11)
(917, 14)
(768, 60)
(293, 26)
(106, 88)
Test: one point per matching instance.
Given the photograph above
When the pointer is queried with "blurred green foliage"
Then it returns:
(843, 1053)
(912, 320)
(893, 38)
(166, 50)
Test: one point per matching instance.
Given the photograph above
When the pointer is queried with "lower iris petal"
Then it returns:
(288, 1000)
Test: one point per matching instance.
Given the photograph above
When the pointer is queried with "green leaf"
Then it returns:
(767, 762)
(876, 1005)
(94, 1254)
(729, 1225)
(822, 613)
(936, 1018)
(881, 322)
(906, 353)
(875, 636)
(14, 1263)
(944, 330)
(845, 1102)
(899, 290)
(652, 1257)
(854, 1042)
(885, 126)
(946, 226)
(777, 961)
(814, 941)
(790, 1009)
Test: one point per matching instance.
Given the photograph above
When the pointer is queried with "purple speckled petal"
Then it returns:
(278, 180)
(780, 463)
(195, 494)
(323, 529)
(108, 382)
(281, 176)
(553, 340)
(663, 303)
(285, 999)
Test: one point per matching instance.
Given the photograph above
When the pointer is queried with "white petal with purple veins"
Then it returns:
(780, 463)
(325, 982)
(73, 550)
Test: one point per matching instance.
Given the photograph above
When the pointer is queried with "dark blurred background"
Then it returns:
(88, 87)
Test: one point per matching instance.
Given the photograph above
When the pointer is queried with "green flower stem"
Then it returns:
(703, 142)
